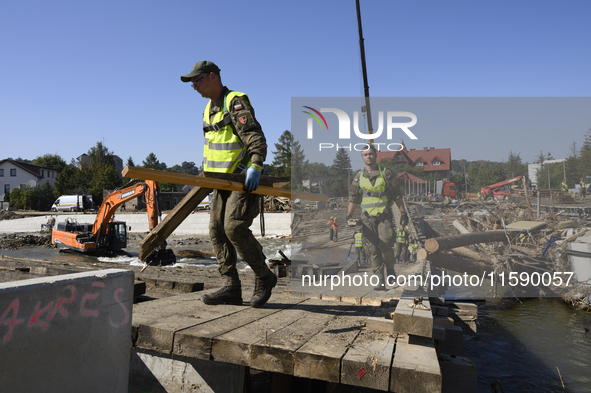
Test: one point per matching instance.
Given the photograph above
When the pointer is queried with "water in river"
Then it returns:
(531, 346)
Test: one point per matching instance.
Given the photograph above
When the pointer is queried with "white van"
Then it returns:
(205, 204)
(72, 203)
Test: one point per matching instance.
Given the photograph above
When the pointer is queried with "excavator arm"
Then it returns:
(122, 195)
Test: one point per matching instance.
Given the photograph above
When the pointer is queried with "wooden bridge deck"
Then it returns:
(300, 336)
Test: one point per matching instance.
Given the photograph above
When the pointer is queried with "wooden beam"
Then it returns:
(445, 243)
(219, 184)
(172, 221)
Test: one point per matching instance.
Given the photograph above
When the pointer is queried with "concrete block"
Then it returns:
(459, 374)
(445, 322)
(69, 333)
(453, 343)
(155, 372)
(380, 324)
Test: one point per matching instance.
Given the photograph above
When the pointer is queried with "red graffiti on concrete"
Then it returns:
(14, 306)
(62, 300)
(35, 318)
(116, 296)
(37, 313)
(83, 310)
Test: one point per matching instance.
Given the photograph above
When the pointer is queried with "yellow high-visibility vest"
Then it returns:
(375, 199)
(223, 149)
(401, 236)
(359, 240)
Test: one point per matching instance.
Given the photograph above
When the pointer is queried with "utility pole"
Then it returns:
(364, 70)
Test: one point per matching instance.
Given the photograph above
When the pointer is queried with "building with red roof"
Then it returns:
(432, 160)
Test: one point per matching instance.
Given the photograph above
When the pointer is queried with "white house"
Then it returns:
(15, 174)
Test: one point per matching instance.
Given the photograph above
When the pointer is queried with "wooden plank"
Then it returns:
(275, 352)
(234, 346)
(197, 341)
(367, 363)
(156, 322)
(172, 221)
(320, 357)
(219, 184)
(415, 368)
(414, 321)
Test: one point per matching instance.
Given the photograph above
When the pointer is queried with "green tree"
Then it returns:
(515, 166)
(51, 160)
(585, 156)
(187, 167)
(282, 156)
(573, 171)
(341, 167)
(152, 162)
(44, 197)
(67, 181)
(99, 155)
(130, 162)
(298, 165)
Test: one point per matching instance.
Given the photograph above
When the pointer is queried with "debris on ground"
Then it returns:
(9, 215)
(15, 241)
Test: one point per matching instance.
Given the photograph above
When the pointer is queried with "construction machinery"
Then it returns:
(109, 237)
(499, 190)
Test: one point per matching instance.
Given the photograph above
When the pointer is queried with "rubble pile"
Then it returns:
(538, 245)
(15, 242)
(273, 204)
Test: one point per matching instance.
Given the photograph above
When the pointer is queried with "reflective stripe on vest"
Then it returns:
(400, 236)
(223, 149)
(358, 240)
(375, 199)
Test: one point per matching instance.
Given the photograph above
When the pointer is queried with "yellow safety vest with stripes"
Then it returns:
(375, 199)
(401, 236)
(358, 240)
(223, 149)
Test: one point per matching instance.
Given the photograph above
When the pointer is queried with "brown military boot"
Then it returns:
(262, 290)
(225, 295)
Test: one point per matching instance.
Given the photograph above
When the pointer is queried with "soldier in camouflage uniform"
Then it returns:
(375, 190)
(234, 143)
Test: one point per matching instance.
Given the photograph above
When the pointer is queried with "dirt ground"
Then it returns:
(17, 241)
(10, 215)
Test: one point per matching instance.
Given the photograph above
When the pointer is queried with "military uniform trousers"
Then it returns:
(231, 215)
(378, 241)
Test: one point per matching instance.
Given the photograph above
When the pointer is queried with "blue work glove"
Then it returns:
(253, 176)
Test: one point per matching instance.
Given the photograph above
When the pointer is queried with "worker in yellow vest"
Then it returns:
(360, 249)
(401, 244)
(234, 143)
(583, 190)
(563, 186)
(375, 189)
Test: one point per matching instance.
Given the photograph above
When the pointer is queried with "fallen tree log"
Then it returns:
(459, 264)
(448, 242)
(473, 255)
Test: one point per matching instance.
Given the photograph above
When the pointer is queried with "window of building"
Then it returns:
(7, 188)
(420, 163)
(42, 174)
(13, 172)
(1, 172)
(437, 162)
(23, 186)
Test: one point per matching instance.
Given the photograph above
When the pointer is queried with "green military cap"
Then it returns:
(201, 67)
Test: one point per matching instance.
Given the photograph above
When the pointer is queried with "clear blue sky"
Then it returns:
(76, 72)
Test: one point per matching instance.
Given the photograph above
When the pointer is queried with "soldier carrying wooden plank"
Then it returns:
(234, 143)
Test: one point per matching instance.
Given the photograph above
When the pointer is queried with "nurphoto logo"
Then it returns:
(344, 127)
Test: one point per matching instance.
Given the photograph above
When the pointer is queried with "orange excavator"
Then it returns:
(108, 237)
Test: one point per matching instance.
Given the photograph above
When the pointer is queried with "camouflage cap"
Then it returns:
(201, 67)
